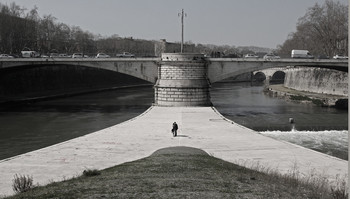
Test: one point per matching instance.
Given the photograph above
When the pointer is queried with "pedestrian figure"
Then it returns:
(174, 130)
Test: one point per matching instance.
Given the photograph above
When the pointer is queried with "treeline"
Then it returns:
(22, 29)
(323, 30)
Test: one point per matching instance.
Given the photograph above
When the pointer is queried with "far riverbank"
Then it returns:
(319, 99)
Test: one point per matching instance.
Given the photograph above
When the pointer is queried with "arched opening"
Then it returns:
(278, 77)
(50, 80)
(259, 77)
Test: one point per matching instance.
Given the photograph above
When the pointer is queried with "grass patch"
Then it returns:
(91, 172)
(317, 102)
(22, 183)
(180, 172)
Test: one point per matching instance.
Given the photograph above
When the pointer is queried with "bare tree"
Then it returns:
(323, 30)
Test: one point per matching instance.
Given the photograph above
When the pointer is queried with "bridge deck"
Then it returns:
(200, 127)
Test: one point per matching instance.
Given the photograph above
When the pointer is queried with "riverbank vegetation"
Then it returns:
(323, 30)
(181, 172)
(317, 102)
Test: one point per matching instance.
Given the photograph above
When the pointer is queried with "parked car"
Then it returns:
(125, 54)
(102, 55)
(231, 56)
(6, 56)
(340, 57)
(29, 54)
(77, 55)
(64, 56)
(301, 54)
(53, 55)
(322, 57)
(271, 56)
(251, 56)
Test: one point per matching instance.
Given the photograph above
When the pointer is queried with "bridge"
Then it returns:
(181, 79)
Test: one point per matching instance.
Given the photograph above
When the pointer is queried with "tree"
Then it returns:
(323, 30)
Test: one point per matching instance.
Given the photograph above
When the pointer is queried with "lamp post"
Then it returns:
(182, 14)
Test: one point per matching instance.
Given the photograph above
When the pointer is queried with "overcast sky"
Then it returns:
(264, 23)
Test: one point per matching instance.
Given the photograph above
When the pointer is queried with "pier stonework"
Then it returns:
(182, 80)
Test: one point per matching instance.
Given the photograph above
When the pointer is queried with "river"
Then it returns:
(36, 125)
(319, 128)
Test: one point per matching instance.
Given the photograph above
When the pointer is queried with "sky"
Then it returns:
(263, 23)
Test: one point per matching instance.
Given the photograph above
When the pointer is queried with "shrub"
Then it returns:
(91, 172)
(299, 98)
(22, 183)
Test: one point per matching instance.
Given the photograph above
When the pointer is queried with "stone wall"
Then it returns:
(182, 96)
(183, 71)
(182, 81)
(317, 80)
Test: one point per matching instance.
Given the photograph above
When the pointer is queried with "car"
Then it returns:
(63, 56)
(301, 54)
(29, 54)
(271, 56)
(6, 56)
(125, 54)
(77, 55)
(102, 55)
(53, 55)
(340, 57)
(251, 56)
(322, 57)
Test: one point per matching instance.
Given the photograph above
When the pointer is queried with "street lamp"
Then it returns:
(182, 14)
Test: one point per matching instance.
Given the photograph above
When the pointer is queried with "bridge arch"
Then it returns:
(278, 76)
(32, 82)
(219, 69)
(146, 69)
(259, 76)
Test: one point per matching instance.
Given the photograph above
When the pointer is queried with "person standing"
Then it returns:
(174, 130)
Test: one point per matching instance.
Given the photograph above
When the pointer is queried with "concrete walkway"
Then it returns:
(199, 127)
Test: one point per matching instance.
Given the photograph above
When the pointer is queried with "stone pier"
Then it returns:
(182, 80)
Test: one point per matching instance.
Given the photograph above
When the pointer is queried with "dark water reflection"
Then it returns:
(28, 127)
(32, 126)
(245, 104)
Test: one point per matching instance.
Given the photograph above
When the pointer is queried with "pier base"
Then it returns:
(182, 80)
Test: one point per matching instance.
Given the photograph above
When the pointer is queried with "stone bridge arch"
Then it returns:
(272, 74)
(145, 69)
(220, 68)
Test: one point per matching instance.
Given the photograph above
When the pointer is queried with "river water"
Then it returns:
(35, 125)
(319, 128)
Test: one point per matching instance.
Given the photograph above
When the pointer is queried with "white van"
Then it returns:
(28, 54)
(301, 54)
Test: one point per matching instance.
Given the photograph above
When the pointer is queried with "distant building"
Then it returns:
(139, 47)
(163, 46)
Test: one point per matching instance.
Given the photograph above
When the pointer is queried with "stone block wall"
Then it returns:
(317, 80)
(182, 96)
(182, 81)
(184, 71)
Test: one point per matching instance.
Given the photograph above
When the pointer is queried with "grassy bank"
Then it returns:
(178, 172)
(318, 99)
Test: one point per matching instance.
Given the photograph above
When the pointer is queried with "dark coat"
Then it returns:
(175, 127)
